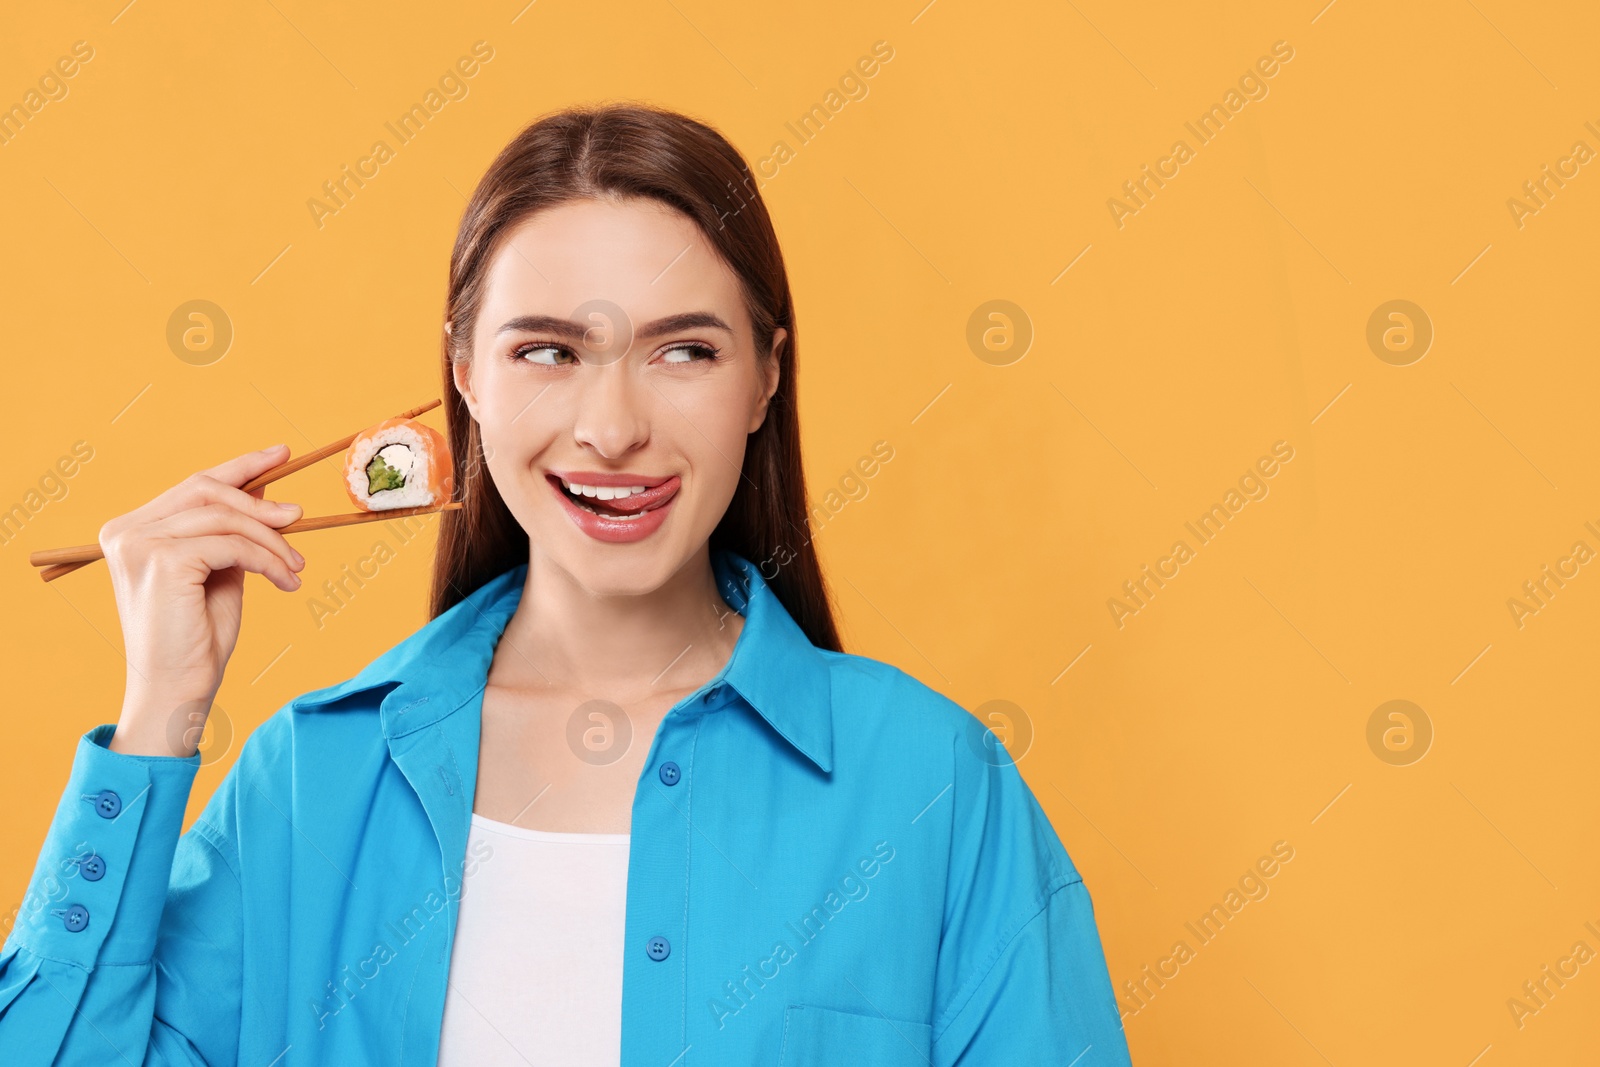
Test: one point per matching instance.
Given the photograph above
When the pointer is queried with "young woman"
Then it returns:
(694, 830)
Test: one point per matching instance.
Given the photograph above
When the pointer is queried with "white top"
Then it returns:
(536, 970)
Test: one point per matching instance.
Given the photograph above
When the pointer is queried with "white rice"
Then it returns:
(406, 451)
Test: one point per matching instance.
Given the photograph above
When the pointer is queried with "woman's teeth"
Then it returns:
(602, 492)
(581, 494)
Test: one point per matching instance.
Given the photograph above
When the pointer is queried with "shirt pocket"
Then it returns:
(826, 1037)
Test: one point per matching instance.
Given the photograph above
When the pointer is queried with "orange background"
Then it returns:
(1168, 353)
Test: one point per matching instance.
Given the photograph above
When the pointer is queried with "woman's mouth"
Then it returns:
(631, 512)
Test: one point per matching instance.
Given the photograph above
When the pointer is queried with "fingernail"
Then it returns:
(270, 448)
(296, 578)
(288, 507)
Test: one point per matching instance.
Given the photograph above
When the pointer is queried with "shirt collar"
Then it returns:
(774, 667)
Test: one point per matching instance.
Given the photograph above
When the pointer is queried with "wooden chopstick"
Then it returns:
(300, 462)
(59, 561)
(62, 560)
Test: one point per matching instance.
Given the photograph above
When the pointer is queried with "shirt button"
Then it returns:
(75, 918)
(712, 693)
(93, 868)
(669, 773)
(656, 948)
(107, 804)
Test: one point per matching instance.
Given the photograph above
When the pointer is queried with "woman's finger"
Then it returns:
(221, 551)
(194, 489)
(214, 519)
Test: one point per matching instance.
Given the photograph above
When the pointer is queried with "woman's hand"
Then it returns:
(177, 568)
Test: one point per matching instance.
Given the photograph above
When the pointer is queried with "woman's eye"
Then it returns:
(548, 355)
(691, 353)
(544, 355)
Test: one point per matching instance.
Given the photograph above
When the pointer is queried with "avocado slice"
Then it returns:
(382, 476)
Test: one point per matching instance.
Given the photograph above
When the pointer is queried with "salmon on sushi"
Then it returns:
(399, 463)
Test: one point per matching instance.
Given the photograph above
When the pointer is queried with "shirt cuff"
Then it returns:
(100, 884)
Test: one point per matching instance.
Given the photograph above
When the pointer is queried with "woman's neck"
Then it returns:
(565, 637)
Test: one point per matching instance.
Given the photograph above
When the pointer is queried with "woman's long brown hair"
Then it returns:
(612, 152)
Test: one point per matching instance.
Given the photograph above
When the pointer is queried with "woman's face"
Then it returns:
(612, 350)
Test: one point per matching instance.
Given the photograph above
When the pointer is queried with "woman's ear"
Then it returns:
(771, 367)
(461, 371)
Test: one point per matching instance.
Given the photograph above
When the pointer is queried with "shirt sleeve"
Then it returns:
(127, 946)
(1022, 975)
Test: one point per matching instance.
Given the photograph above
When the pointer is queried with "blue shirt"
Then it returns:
(828, 864)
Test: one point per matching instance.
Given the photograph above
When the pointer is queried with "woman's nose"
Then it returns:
(611, 412)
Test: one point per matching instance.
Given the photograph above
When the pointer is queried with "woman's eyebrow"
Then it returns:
(574, 331)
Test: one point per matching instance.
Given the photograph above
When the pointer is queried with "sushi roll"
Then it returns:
(399, 463)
